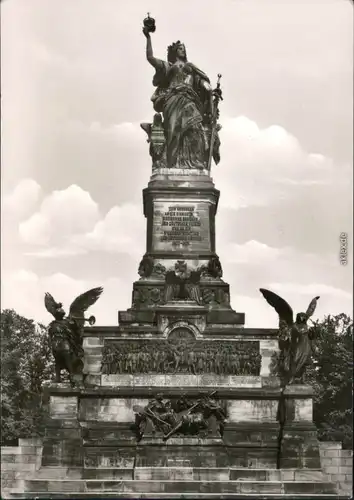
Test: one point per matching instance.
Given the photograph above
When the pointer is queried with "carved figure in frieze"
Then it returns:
(177, 358)
(182, 284)
(191, 362)
(140, 296)
(181, 404)
(217, 361)
(66, 333)
(155, 361)
(120, 362)
(208, 296)
(201, 362)
(145, 361)
(215, 297)
(146, 296)
(146, 266)
(158, 412)
(159, 270)
(235, 364)
(184, 416)
(215, 414)
(156, 139)
(197, 417)
(210, 362)
(155, 295)
(214, 267)
(226, 299)
(129, 362)
(295, 340)
(163, 362)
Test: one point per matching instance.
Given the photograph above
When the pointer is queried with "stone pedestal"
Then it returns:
(180, 208)
(62, 444)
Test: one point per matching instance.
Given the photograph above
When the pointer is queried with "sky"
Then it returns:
(75, 87)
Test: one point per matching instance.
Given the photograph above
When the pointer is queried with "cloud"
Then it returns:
(121, 230)
(310, 289)
(57, 252)
(62, 214)
(22, 200)
(252, 252)
(68, 224)
(263, 166)
(24, 291)
(258, 314)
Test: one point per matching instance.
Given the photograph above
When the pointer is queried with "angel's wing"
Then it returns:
(84, 301)
(50, 303)
(280, 305)
(312, 306)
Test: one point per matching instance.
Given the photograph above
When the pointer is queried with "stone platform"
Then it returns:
(90, 446)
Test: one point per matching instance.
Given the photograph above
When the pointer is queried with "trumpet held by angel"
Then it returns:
(66, 333)
(295, 338)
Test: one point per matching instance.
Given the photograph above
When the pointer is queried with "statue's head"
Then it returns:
(176, 51)
(59, 313)
(301, 318)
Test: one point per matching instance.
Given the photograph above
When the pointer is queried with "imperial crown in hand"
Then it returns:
(149, 23)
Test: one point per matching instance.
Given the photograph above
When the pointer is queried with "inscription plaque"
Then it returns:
(182, 225)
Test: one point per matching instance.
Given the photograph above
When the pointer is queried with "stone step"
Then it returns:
(167, 487)
(180, 473)
(59, 473)
(226, 474)
(174, 496)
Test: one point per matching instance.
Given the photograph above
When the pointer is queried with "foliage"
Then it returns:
(331, 375)
(26, 362)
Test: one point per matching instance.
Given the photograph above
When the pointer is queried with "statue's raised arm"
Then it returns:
(149, 27)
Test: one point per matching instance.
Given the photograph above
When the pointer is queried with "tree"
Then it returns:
(331, 375)
(26, 362)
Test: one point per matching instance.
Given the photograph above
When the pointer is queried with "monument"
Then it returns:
(179, 400)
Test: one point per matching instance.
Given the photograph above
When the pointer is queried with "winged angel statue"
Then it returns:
(295, 340)
(65, 333)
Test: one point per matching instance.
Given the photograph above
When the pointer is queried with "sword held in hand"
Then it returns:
(217, 93)
(151, 414)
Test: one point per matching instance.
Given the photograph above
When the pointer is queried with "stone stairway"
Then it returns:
(174, 482)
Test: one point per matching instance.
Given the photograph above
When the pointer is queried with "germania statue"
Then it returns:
(189, 107)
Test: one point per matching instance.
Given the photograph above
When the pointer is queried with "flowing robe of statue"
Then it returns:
(300, 349)
(183, 99)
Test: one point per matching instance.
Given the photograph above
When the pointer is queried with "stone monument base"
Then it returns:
(90, 450)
